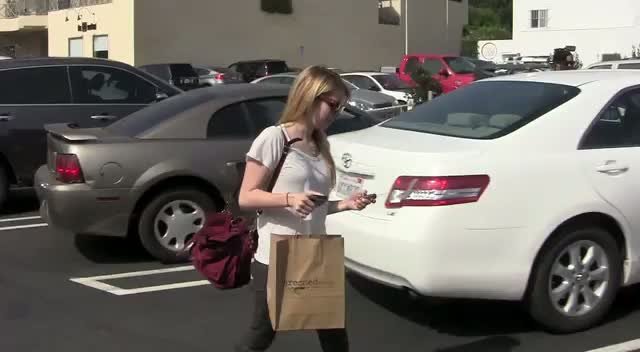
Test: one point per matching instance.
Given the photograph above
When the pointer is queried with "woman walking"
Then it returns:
(292, 207)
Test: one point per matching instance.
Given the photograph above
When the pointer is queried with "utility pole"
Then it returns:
(406, 27)
(446, 34)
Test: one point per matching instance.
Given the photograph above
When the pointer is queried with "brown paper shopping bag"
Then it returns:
(306, 282)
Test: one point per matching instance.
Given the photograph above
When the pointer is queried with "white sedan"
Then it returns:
(523, 187)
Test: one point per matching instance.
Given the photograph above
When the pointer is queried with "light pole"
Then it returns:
(406, 27)
(446, 29)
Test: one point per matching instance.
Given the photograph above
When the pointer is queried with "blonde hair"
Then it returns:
(310, 84)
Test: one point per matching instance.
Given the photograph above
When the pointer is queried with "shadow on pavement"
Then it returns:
(468, 318)
(493, 344)
(111, 250)
(22, 201)
(454, 317)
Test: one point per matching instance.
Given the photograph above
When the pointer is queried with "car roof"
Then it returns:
(240, 91)
(626, 61)
(53, 61)
(257, 61)
(574, 78)
(367, 73)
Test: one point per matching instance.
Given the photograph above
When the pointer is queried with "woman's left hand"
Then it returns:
(358, 201)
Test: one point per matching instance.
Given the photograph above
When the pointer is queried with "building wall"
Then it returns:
(115, 20)
(572, 22)
(337, 33)
(26, 43)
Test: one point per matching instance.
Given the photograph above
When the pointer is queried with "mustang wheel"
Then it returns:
(170, 220)
(576, 280)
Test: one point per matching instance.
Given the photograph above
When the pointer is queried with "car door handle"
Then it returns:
(104, 117)
(6, 118)
(612, 170)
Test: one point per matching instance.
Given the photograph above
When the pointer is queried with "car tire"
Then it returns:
(556, 252)
(4, 186)
(169, 221)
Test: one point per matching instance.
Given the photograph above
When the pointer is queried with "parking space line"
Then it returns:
(24, 218)
(628, 346)
(8, 228)
(96, 281)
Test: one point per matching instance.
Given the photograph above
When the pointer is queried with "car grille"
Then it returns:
(382, 105)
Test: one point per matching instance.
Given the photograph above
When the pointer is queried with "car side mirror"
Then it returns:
(161, 96)
(374, 88)
(443, 72)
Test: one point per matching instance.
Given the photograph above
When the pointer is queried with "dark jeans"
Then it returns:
(261, 335)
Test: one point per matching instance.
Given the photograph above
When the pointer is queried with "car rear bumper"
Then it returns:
(79, 209)
(435, 256)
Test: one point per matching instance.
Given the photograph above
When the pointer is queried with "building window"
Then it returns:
(101, 46)
(277, 6)
(389, 12)
(539, 18)
(75, 47)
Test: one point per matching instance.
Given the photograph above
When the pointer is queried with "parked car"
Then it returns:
(213, 75)
(253, 69)
(629, 64)
(529, 195)
(452, 72)
(156, 173)
(84, 92)
(378, 105)
(385, 83)
(181, 75)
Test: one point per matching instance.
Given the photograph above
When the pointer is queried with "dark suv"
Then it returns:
(255, 69)
(181, 75)
(84, 92)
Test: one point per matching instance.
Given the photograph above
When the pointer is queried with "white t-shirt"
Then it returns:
(301, 172)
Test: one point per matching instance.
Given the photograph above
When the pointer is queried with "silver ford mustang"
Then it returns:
(156, 173)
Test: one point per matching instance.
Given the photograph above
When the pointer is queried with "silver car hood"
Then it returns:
(369, 97)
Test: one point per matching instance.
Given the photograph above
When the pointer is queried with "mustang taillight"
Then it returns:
(436, 191)
(68, 168)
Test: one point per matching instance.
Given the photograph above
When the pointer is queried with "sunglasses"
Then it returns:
(336, 106)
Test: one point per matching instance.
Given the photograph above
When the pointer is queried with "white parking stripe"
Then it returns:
(628, 346)
(95, 281)
(8, 228)
(20, 219)
(138, 273)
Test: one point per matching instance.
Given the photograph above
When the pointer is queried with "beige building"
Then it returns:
(350, 34)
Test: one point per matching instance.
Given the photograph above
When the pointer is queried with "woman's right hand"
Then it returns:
(301, 203)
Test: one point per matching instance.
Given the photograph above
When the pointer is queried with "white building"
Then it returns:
(598, 29)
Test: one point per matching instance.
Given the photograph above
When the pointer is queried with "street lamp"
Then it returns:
(406, 27)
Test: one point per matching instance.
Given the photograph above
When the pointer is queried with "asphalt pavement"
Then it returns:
(62, 292)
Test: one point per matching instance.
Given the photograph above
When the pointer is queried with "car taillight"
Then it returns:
(436, 191)
(68, 169)
(220, 76)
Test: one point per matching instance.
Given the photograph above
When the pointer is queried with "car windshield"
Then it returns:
(391, 82)
(478, 112)
(350, 85)
(460, 65)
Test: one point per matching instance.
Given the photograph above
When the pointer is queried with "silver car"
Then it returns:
(380, 106)
(157, 172)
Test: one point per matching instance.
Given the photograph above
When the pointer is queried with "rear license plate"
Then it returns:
(348, 185)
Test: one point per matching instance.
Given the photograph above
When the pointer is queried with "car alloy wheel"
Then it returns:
(579, 278)
(176, 223)
(575, 278)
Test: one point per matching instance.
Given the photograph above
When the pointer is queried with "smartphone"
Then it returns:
(318, 199)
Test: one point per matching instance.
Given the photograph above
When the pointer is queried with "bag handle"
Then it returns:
(276, 172)
(285, 151)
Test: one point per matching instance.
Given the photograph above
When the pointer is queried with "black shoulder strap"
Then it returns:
(285, 151)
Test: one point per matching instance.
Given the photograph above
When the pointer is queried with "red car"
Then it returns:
(452, 72)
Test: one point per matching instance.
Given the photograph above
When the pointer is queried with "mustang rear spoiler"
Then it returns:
(65, 131)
